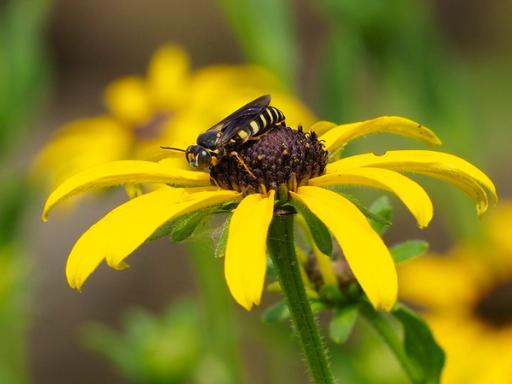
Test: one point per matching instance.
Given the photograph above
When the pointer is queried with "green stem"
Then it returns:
(384, 328)
(282, 251)
(220, 315)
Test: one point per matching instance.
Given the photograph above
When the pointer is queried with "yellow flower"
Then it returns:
(293, 163)
(170, 105)
(467, 294)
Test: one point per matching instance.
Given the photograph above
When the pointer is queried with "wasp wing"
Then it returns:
(230, 126)
(242, 114)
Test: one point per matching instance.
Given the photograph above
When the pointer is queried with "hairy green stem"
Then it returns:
(220, 314)
(384, 328)
(282, 251)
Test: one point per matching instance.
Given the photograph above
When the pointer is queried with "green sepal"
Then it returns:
(277, 312)
(331, 293)
(319, 231)
(183, 226)
(342, 323)
(317, 306)
(408, 250)
(220, 246)
(420, 345)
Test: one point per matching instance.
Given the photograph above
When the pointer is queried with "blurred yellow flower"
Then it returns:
(467, 297)
(171, 105)
(282, 157)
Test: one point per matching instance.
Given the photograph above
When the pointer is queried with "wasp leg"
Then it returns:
(242, 163)
(212, 180)
(259, 136)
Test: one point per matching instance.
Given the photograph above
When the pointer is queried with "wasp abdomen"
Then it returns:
(268, 118)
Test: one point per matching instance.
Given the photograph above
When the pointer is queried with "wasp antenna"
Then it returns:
(173, 149)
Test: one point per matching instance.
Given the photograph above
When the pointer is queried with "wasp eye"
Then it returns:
(203, 159)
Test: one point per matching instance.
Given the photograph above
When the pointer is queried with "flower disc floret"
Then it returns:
(282, 156)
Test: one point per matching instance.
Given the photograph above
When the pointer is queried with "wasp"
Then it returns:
(247, 123)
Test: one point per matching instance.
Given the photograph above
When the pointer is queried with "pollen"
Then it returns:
(283, 156)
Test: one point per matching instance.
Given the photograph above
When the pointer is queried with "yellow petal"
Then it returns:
(321, 127)
(342, 134)
(168, 76)
(440, 283)
(411, 193)
(81, 144)
(128, 100)
(246, 259)
(440, 165)
(245, 83)
(126, 227)
(123, 172)
(364, 250)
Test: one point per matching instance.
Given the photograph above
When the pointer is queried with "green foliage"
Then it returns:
(23, 77)
(151, 348)
(410, 340)
(336, 78)
(13, 315)
(182, 227)
(342, 323)
(23, 66)
(220, 244)
(265, 31)
(14, 200)
(380, 214)
(278, 312)
(331, 294)
(408, 250)
(319, 231)
(420, 345)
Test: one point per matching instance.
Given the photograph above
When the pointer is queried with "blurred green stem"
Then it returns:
(384, 328)
(281, 247)
(220, 315)
(266, 33)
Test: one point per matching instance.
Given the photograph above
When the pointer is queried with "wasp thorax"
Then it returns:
(282, 156)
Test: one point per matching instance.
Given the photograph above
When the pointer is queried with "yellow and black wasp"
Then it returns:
(247, 123)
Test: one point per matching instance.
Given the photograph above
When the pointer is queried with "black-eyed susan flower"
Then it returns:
(467, 297)
(171, 105)
(284, 164)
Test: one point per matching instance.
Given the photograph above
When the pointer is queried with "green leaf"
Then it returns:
(220, 246)
(390, 333)
(420, 345)
(319, 231)
(379, 214)
(408, 250)
(276, 313)
(342, 323)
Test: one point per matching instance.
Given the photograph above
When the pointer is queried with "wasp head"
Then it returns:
(199, 157)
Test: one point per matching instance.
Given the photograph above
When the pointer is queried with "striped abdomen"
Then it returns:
(267, 119)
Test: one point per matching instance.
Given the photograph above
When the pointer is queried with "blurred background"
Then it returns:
(445, 63)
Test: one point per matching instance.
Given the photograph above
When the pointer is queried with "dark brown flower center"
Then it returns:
(495, 308)
(282, 156)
